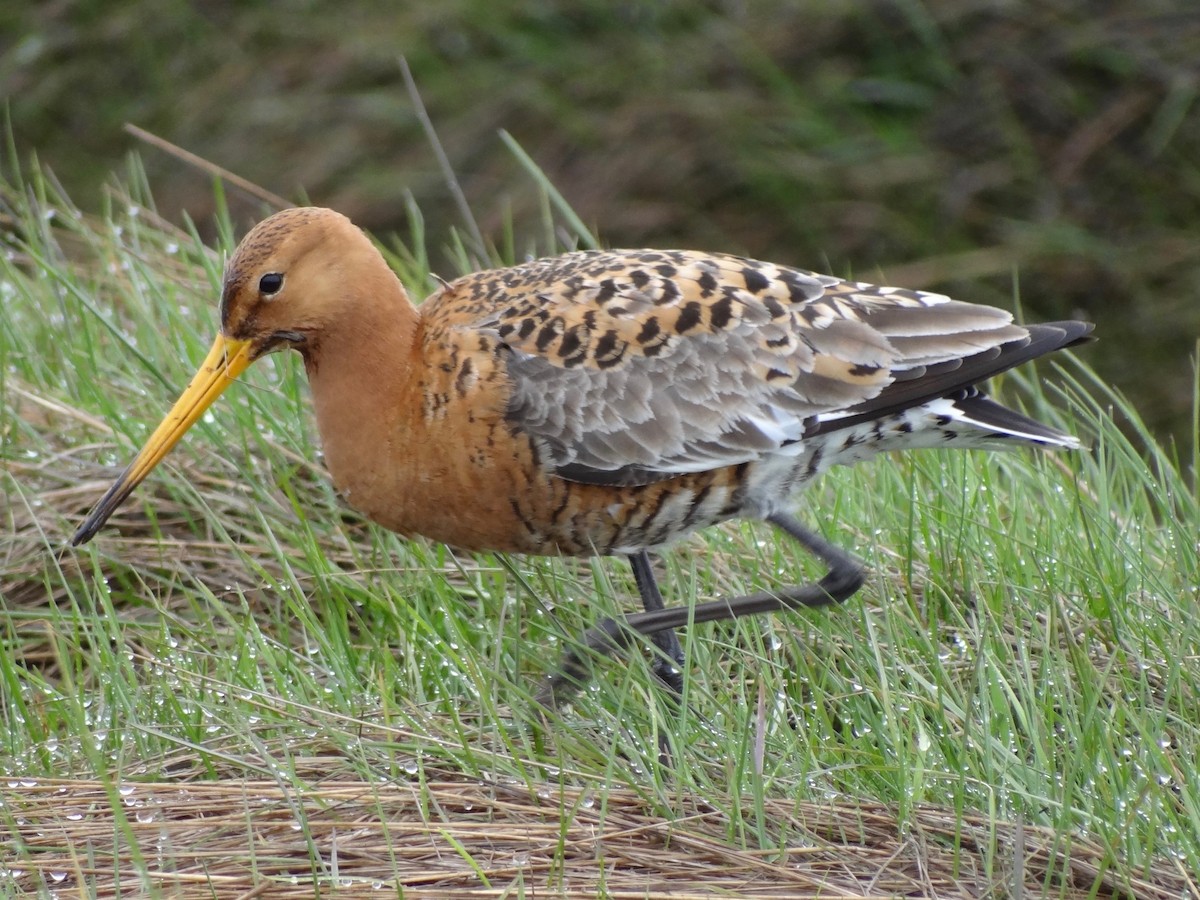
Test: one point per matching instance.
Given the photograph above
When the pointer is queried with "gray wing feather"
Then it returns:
(633, 366)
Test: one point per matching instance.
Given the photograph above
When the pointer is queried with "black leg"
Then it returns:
(610, 637)
(669, 664)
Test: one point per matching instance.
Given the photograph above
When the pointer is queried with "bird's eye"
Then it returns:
(271, 283)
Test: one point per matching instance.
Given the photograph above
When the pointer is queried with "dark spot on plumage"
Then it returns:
(755, 281)
(570, 344)
(656, 508)
(549, 333)
(861, 370)
(776, 374)
(561, 508)
(608, 290)
(650, 330)
(708, 284)
(696, 505)
(465, 373)
(781, 341)
(639, 278)
(520, 514)
(618, 310)
(721, 312)
(800, 289)
(572, 286)
(656, 346)
(814, 461)
(668, 294)
(689, 317)
(666, 270)
(526, 329)
(942, 421)
(774, 307)
(906, 427)
(610, 350)
(851, 440)
(589, 319)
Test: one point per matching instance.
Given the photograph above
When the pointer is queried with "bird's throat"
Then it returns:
(362, 384)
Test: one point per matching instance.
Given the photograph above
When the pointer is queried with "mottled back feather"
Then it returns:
(632, 366)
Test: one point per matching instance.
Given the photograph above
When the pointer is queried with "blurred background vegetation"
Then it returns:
(978, 147)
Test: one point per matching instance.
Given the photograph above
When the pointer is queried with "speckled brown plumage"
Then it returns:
(606, 401)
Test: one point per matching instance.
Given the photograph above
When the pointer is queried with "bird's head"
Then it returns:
(284, 281)
(280, 291)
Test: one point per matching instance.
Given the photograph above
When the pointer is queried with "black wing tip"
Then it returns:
(1040, 339)
(1059, 335)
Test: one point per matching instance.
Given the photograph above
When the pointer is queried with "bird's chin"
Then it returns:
(279, 340)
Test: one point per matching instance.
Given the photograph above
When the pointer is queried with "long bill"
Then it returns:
(225, 361)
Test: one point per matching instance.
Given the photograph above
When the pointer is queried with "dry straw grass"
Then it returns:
(456, 838)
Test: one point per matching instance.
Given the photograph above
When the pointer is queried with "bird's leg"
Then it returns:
(610, 637)
(669, 664)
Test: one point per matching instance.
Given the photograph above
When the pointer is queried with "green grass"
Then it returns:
(1026, 648)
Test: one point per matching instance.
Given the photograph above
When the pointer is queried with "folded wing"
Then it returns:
(632, 366)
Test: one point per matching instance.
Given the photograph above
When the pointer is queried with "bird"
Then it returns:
(604, 402)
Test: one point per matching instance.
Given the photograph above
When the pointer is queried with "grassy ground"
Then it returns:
(241, 682)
